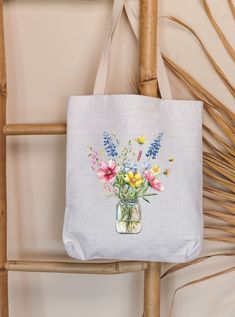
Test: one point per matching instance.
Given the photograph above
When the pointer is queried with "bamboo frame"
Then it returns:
(76, 267)
(3, 198)
(148, 86)
(147, 48)
(35, 129)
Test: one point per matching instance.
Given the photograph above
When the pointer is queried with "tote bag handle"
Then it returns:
(132, 10)
(103, 68)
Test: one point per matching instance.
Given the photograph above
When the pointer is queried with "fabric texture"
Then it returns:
(172, 221)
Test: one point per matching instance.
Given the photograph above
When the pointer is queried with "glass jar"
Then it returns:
(128, 216)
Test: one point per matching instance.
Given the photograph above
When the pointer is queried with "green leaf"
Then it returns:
(146, 199)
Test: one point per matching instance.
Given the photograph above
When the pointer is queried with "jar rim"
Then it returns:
(128, 200)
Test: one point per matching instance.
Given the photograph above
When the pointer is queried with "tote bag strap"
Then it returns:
(132, 10)
(103, 68)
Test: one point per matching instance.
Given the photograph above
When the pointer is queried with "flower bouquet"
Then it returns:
(129, 175)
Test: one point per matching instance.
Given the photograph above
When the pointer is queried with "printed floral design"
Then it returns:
(133, 179)
(129, 173)
(107, 172)
(153, 181)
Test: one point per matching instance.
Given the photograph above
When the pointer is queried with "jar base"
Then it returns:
(128, 227)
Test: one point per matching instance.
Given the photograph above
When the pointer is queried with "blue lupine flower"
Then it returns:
(154, 147)
(109, 145)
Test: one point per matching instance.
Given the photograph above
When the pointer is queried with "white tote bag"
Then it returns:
(134, 174)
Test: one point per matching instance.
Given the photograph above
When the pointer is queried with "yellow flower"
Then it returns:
(156, 169)
(135, 180)
(140, 140)
(171, 159)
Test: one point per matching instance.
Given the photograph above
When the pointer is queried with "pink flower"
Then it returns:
(153, 181)
(107, 172)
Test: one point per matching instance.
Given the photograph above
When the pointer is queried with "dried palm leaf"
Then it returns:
(209, 56)
(181, 266)
(226, 127)
(227, 206)
(218, 157)
(226, 229)
(210, 158)
(197, 281)
(218, 170)
(219, 179)
(219, 194)
(220, 215)
(230, 239)
(199, 92)
(216, 27)
(219, 153)
(232, 7)
(220, 140)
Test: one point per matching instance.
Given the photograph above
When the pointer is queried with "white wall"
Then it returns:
(53, 48)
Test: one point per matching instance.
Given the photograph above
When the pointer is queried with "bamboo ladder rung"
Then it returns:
(106, 268)
(35, 129)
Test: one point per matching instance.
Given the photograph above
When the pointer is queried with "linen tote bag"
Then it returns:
(133, 174)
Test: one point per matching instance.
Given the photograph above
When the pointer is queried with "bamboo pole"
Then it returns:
(148, 87)
(3, 198)
(76, 267)
(147, 49)
(152, 290)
